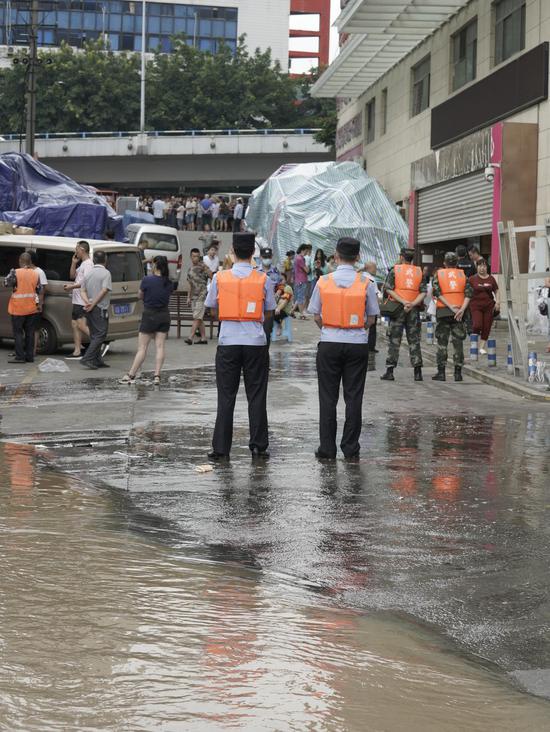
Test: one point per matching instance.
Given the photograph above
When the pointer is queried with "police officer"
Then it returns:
(405, 288)
(453, 292)
(344, 304)
(266, 266)
(464, 262)
(243, 297)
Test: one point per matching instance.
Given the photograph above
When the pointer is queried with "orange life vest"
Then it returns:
(241, 298)
(452, 283)
(343, 307)
(408, 279)
(23, 299)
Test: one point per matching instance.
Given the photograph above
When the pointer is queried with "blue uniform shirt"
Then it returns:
(344, 276)
(236, 332)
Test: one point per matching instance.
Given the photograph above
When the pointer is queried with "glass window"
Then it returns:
(206, 44)
(56, 264)
(167, 25)
(218, 28)
(89, 21)
(180, 25)
(128, 23)
(384, 125)
(114, 6)
(181, 11)
(371, 114)
(9, 259)
(464, 59)
(62, 20)
(165, 44)
(113, 40)
(160, 242)
(125, 266)
(230, 30)
(191, 27)
(153, 43)
(205, 27)
(232, 45)
(153, 25)
(509, 28)
(166, 9)
(127, 43)
(114, 22)
(420, 96)
(76, 20)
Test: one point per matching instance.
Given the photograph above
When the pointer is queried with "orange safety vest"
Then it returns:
(408, 279)
(23, 299)
(241, 298)
(452, 283)
(343, 307)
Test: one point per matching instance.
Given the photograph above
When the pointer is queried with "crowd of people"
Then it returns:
(195, 213)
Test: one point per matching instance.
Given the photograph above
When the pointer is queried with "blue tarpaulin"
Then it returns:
(33, 194)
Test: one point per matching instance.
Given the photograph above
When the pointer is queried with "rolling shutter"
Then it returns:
(455, 210)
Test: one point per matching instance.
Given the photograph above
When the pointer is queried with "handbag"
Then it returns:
(390, 308)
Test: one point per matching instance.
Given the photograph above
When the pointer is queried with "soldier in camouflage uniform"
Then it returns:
(448, 325)
(404, 285)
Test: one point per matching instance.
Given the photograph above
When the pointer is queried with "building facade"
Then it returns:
(206, 23)
(446, 105)
(309, 40)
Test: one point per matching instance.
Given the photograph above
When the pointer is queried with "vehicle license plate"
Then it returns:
(121, 309)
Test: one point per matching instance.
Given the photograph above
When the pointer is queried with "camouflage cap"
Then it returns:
(451, 258)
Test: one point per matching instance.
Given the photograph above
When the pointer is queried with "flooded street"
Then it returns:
(407, 591)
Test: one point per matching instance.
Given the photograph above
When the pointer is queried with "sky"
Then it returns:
(334, 12)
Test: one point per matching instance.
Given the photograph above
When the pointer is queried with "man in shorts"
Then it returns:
(198, 277)
(81, 265)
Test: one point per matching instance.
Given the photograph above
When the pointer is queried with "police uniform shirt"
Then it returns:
(344, 276)
(237, 332)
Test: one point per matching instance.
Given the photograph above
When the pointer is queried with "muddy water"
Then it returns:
(104, 625)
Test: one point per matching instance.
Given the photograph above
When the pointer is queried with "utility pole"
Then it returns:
(31, 80)
(143, 50)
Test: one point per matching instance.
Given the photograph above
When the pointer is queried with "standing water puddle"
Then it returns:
(104, 627)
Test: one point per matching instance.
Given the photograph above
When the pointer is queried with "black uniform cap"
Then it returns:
(348, 247)
(266, 253)
(244, 244)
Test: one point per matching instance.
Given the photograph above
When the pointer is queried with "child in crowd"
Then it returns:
(284, 297)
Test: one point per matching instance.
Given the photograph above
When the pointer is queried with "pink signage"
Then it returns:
(496, 157)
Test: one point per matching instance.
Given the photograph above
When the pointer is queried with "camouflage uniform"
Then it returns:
(447, 328)
(410, 322)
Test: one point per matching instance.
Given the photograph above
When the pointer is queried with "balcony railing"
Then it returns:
(162, 133)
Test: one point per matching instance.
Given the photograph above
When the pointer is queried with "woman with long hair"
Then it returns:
(155, 291)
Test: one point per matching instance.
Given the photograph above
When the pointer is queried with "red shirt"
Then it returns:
(483, 289)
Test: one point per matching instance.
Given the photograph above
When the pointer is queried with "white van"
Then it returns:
(54, 255)
(161, 240)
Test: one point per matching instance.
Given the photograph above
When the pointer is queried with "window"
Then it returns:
(55, 263)
(420, 97)
(509, 28)
(371, 112)
(384, 111)
(124, 266)
(9, 258)
(464, 59)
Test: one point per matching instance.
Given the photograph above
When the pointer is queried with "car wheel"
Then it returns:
(47, 338)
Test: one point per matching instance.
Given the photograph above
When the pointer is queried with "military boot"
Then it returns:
(458, 373)
(418, 373)
(440, 376)
(388, 376)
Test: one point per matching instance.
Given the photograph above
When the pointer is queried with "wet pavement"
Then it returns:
(377, 595)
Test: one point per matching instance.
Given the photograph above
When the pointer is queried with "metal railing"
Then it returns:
(162, 133)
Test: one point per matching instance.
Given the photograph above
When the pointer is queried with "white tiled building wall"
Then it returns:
(407, 139)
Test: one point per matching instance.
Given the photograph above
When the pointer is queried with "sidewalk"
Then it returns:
(498, 375)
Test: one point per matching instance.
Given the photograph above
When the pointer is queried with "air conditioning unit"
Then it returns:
(11, 50)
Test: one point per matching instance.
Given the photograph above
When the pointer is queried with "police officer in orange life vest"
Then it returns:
(345, 305)
(24, 308)
(244, 298)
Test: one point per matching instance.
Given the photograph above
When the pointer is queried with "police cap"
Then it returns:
(244, 244)
(266, 253)
(451, 258)
(348, 247)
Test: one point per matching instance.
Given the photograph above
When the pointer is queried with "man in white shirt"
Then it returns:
(238, 215)
(211, 258)
(158, 210)
(81, 266)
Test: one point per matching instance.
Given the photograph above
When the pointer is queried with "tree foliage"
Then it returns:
(98, 90)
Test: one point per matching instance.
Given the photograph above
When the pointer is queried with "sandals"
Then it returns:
(156, 380)
(188, 341)
(127, 379)
(202, 343)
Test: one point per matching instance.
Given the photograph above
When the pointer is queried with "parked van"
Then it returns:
(54, 257)
(159, 240)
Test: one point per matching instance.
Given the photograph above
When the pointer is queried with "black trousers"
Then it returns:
(23, 333)
(98, 324)
(344, 363)
(372, 335)
(253, 361)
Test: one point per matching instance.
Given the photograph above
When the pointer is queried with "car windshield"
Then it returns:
(159, 242)
(125, 266)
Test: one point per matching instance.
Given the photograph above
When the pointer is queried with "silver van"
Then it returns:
(54, 257)
(160, 240)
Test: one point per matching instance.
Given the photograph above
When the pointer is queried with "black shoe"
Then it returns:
(259, 454)
(440, 376)
(418, 373)
(458, 373)
(217, 456)
(103, 366)
(29, 360)
(353, 458)
(90, 366)
(388, 376)
(320, 455)
(16, 360)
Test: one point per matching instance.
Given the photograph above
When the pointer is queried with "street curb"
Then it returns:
(522, 390)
